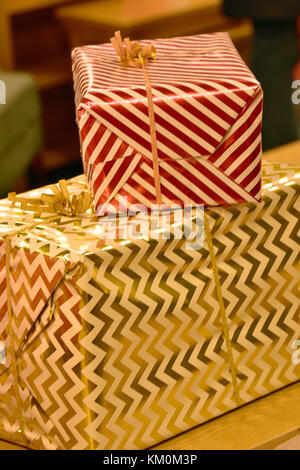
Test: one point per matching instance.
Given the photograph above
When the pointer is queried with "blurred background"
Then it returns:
(38, 135)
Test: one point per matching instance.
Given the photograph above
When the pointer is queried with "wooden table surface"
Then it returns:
(261, 424)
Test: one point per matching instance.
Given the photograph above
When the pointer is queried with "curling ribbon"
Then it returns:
(60, 202)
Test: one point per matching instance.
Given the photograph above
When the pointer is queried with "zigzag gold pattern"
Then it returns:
(134, 352)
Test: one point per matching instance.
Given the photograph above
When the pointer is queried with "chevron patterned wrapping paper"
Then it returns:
(208, 110)
(119, 343)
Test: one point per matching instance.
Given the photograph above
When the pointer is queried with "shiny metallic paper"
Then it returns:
(119, 344)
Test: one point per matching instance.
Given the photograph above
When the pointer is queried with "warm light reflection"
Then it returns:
(62, 239)
(84, 247)
(177, 224)
(283, 180)
(98, 229)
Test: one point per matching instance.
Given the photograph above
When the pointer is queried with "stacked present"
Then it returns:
(119, 339)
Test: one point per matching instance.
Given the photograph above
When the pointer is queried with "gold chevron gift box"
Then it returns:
(120, 344)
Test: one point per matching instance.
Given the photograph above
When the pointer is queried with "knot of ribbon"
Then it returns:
(60, 202)
(132, 53)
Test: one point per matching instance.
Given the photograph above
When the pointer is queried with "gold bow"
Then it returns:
(132, 53)
(60, 202)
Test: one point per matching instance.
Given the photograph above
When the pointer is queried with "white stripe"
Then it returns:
(111, 175)
(147, 185)
(99, 146)
(191, 169)
(237, 162)
(161, 129)
(175, 190)
(89, 136)
(253, 165)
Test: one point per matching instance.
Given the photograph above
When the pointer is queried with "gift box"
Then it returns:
(204, 144)
(122, 343)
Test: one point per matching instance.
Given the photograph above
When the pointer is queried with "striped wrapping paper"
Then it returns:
(133, 352)
(208, 110)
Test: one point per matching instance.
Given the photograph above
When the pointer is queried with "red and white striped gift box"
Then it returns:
(208, 111)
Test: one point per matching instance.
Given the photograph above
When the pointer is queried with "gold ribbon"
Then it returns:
(60, 203)
(10, 332)
(132, 53)
(225, 327)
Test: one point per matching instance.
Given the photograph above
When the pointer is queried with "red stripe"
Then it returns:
(254, 191)
(107, 147)
(245, 164)
(164, 190)
(121, 150)
(182, 119)
(236, 135)
(131, 117)
(252, 175)
(86, 127)
(240, 150)
(218, 111)
(195, 111)
(94, 141)
(167, 125)
(105, 172)
(201, 169)
(223, 97)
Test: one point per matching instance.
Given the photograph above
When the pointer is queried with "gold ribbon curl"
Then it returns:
(60, 202)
